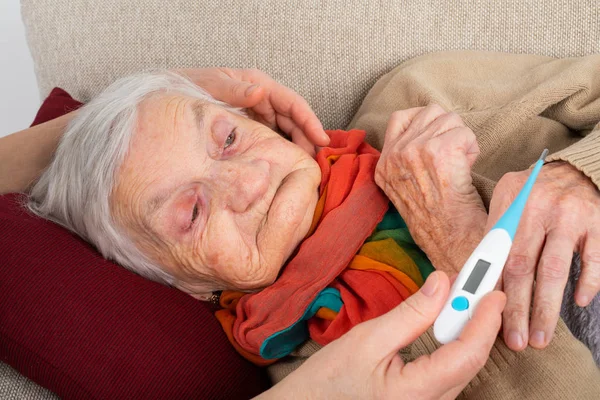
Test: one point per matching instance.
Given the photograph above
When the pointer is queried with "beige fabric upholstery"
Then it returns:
(331, 52)
(15, 386)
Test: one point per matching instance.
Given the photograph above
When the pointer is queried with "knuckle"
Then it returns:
(517, 312)
(518, 266)
(413, 306)
(236, 89)
(570, 230)
(435, 108)
(506, 185)
(476, 360)
(544, 313)
(397, 114)
(591, 259)
(410, 153)
(468, 132)
(553, 268)
(590, 282)
(431, 148)
(509, 179)
(455, 119)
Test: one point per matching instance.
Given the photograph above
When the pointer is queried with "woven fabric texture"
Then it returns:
(15, 386)
(331, 52)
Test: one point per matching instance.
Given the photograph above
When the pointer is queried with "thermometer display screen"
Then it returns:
(476, 276)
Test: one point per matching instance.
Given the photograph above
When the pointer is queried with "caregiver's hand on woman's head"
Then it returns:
(25, 154)
(365, 363)
(267, 101)
(425, 170)
(562, 216)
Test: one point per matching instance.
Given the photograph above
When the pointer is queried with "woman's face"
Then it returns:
(213, 196)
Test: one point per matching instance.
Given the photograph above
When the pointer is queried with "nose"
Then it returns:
(242, 184)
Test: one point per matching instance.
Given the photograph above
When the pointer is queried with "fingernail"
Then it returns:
(515, 340)
(538, 338)
(251, 90)
(431, 284)
(584, 300)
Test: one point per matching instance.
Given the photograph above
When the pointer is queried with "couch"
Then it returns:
(330, 52)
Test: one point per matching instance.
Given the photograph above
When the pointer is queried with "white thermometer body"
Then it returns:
(484, 267)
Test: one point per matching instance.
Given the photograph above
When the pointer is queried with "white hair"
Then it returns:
(74, 191)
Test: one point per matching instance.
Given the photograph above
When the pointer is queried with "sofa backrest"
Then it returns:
(331, 52)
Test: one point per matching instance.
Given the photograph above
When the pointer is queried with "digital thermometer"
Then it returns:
(482, 270)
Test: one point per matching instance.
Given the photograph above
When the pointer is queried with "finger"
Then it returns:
(290, 104)
(286, 125)
(501, 200)
(254, 89)
(301, 140)
(443, 124)
(456, 364)
(399, 122)
(295, 134)
(460, 139)
(422, 120)
(386, 335)
(552, 275)
(448, 125)
(223, 85)
(268, 115)
(517, 281)
(453, 279)
(588, 284)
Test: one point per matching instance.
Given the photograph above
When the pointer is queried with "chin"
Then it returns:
(258, 284)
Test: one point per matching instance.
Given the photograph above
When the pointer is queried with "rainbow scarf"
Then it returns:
(357, 262)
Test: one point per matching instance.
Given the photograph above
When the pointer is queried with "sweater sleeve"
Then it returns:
(583, 155)
(564, 370)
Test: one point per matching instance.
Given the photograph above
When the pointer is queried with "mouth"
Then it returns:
(270, 202)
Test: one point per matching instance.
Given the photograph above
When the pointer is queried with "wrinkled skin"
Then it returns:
(424, 169)
(266, 101)
(237, 198)
(562, 216)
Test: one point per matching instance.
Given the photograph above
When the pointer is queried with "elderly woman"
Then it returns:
(179, 187)
(186, 190)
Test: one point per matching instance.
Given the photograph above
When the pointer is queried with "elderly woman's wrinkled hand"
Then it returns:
(267, 101)
(562, 216)
(425, 170)
(365, 363)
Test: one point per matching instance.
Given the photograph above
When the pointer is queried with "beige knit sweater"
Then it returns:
(517, 105)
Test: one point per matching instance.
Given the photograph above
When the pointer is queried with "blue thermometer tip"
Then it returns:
(511, 217)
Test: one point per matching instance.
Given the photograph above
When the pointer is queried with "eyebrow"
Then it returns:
(199, 110)
(157, 201)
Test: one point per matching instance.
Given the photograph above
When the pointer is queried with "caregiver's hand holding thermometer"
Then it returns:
(483, 268)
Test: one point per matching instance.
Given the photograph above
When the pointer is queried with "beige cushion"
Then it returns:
(15, 386)
(331, 52)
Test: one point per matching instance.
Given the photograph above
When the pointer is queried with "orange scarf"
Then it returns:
(370, 278)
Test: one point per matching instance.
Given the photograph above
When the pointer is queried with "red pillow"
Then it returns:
(84, 327)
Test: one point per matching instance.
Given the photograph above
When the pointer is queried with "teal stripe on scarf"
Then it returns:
(282, 343)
